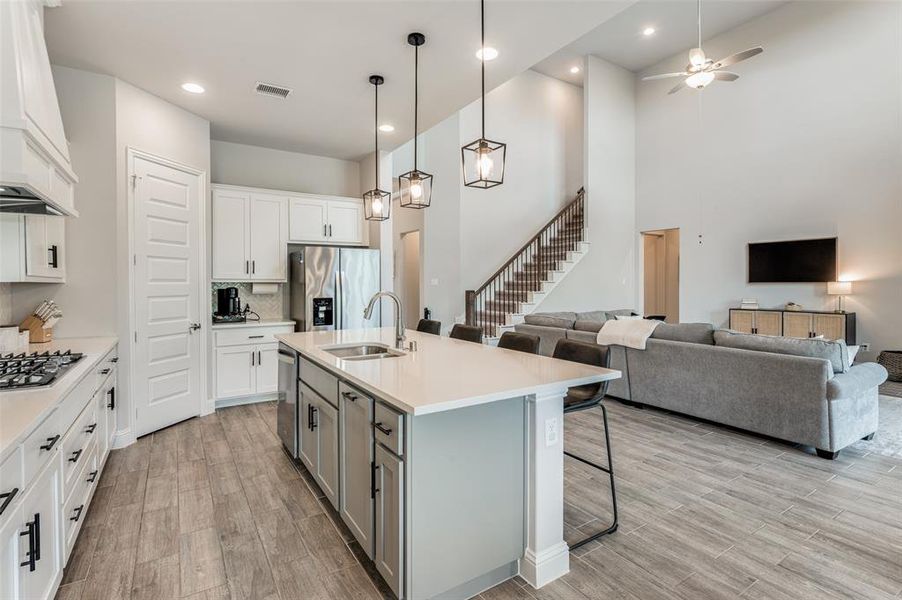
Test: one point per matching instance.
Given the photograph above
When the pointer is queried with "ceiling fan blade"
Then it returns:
(663, 76)
(725, 76)
(739, 56)
(677, 88)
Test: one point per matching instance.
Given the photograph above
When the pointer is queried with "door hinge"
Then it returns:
(136, 337)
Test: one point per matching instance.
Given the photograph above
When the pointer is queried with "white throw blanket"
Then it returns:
(632, 333)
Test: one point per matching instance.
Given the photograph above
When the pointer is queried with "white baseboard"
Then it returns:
(226, 402)
(552, 563)
(123, 438)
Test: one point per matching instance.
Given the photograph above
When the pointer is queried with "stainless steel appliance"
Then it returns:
(330, 287)
(20, 371)
(228, 306)
(287, 405)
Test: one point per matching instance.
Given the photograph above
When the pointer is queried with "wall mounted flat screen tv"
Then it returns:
(799, 261)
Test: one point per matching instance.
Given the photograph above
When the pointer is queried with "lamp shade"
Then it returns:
(839, 288)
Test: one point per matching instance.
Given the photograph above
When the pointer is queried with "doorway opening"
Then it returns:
(408, 276)
(661, 260)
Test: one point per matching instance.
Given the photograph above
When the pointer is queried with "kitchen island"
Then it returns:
(445, 462)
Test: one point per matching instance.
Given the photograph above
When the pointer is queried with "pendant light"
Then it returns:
(415, 186)
(483, 160)
(376, 202)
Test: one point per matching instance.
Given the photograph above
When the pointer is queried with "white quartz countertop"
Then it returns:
(443, 374)
(21, 411)
(260, 323)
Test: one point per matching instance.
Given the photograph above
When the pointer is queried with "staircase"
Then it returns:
(524, 281)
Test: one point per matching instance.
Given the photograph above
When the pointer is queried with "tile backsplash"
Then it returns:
(6, 304)
(268, 306)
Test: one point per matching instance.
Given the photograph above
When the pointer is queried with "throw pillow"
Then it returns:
(628, 317)
(853, 352)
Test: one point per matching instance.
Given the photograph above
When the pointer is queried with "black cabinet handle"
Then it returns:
(112, 394)
(77, 513)
(53, 256)
(374, 488)
(309, 416)
(349, 396)
(382, 428)
(76, 455)
(314, 422)
(7, 499)
(114, 360)
(254, 337)
(92, 477)
(90, 428)
(105, 371)
(253, 267)
(51, 442)
(31, 560)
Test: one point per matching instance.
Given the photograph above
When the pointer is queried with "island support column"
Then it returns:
(547, 555)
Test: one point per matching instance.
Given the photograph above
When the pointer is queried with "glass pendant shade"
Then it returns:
(483, 162)
(415, 188)
(377, 205)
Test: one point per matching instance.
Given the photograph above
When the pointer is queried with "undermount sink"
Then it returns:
(365, 351)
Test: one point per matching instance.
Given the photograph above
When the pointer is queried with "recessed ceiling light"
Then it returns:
(489, 53)
(574, 70)
(386, 128)
(194, 88)
(648, 31)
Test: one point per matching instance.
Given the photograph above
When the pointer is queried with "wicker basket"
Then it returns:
(892, 361)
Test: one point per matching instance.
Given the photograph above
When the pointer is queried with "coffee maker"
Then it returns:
(228, 306)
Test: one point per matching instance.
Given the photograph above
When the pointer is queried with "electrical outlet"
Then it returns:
(551, 431)
(865, 346)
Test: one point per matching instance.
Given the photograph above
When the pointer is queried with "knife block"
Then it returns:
(36, 332)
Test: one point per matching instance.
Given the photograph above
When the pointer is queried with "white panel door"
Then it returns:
(269, 236)
(345, 222)
(236, 368)
(307, 220)
(231, 235)
(267, 368)
(166, 292)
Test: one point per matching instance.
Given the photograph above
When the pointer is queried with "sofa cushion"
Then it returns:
(582, 336)
(834, 351)
(548, 336)
(592, 315)
(693, 333)
(622, 312)
(589, 325)
(563, 320)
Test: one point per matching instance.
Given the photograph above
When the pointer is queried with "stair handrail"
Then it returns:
(543, 239)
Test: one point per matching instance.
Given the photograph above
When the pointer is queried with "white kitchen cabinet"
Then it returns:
(41, 548)
(250, 236)
(356, 435)
(34, 153)
(32, 248)
(247, 360)
(309, 442)
(389, 537)
(326, 220)
(10, 570)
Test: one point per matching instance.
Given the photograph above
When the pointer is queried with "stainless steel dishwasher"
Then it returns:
(287, 408)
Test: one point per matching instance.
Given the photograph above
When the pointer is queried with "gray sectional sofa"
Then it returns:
(798, 390)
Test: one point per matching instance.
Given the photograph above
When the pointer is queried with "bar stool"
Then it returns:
(584, 397)
(430, 326)
(467, 333)
(521, 342)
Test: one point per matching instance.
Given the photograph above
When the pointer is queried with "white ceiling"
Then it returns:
(620, 39)
(324, 50)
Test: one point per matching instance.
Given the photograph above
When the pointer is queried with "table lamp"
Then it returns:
(839, 289)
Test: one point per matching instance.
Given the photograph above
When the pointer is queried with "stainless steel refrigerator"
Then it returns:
(330, 287)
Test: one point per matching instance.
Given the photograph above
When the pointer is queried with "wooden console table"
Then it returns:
(792, 323)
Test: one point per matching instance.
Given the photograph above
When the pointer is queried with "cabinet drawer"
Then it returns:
(105, 369)
(389, 427)
(40, 446)
(75, 446)
(249, 335)
(74, 403)
(321, 381)
(76, 507)
(11, 478)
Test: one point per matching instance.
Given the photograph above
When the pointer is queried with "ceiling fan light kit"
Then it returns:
(701, 70)
(376, 202)
(415, 187)
(483, 159)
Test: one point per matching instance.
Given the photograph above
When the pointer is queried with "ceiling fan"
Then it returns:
(701, 70)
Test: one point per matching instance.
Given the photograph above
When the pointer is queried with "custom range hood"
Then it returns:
(36, 174)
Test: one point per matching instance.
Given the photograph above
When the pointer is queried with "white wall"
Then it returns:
(380, 232)
(807, 143)
(606, 277)
(88, 298)
(241, 164)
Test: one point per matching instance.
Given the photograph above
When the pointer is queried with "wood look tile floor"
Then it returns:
(213, 509)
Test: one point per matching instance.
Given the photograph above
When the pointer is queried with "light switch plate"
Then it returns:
(551, 431)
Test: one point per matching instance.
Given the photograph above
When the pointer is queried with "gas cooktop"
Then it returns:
(21, 371)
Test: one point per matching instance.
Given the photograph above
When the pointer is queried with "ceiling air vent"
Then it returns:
(269, 89)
